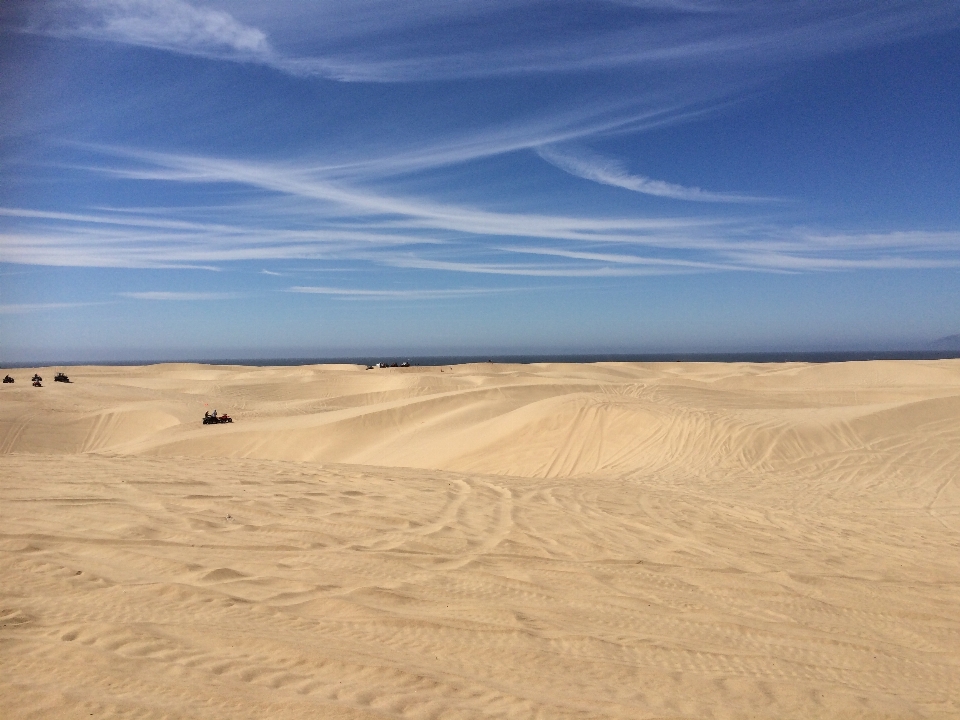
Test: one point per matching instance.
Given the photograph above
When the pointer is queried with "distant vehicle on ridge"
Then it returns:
(215, 419)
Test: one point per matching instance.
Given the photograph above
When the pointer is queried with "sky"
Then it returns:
(299, 178)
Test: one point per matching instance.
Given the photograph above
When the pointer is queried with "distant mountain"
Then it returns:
(950, 342)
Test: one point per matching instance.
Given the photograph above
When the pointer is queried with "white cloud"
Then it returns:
(610, 172)
(125, 218)
(760, 261)
(356, 224)
(173, 25)
(520, 270)
(622, 259)
(378, 40)
(402, 214)
(340, 221)
(373, 39)
(356, 293)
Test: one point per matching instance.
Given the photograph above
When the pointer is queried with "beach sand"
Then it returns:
(673, 540)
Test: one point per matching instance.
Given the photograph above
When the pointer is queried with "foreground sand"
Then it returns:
(492, 541)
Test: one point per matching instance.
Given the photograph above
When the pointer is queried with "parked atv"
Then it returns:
(215, 419)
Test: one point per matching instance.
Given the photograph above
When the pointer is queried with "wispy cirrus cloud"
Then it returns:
(123, 217)
(173, 25)
(404, 294)
(653, 263)
(394, 212)
(538, 270)
(590, 166)
(367, 226)
(797, 262)
(370, 40)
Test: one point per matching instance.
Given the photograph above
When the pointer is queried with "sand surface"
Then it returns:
(491, 541)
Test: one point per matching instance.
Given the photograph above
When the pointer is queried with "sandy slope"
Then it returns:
(490, 541)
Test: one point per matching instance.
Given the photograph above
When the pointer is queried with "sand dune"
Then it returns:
(673, 540)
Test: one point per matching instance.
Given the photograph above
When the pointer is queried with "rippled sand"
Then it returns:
(491, 541)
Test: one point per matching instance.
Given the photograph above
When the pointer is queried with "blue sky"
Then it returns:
(248, 179)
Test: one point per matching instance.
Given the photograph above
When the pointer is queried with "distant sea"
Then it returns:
(437, 360)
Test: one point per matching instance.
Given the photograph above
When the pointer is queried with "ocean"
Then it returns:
(438, 360)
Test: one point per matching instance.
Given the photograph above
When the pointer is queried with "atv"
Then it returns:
(215, 419)
(60, 377)
(8, 379)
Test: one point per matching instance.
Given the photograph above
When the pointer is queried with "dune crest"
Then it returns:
(529, 421)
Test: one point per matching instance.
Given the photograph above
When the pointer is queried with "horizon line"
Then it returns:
(436, 360)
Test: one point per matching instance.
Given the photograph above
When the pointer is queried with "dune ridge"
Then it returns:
(617, 540)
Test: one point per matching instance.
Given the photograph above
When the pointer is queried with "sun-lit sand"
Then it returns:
(491, 541)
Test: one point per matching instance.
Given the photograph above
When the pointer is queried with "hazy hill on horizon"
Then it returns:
(949, 342)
